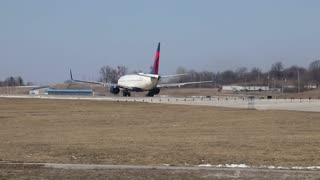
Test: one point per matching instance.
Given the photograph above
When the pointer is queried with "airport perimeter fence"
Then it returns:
(14, 90)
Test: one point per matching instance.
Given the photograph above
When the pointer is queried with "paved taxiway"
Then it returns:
(311, 105)
(204, 172)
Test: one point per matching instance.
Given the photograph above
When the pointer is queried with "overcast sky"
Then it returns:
(40, 40)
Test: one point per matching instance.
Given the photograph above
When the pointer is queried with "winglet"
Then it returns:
(71, 75)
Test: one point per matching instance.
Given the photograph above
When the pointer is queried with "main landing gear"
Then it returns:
(126, 93)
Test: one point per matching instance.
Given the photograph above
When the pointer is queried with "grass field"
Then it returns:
(73, 131)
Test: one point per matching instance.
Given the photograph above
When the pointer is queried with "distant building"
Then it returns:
(45, 90)
(39, 90)
(87, 92)
(311, 86)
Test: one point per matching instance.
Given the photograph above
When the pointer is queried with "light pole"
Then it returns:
(298, 80)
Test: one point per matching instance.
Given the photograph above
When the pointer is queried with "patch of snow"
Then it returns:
(260, 167)
(309, 167)
(237, 166)
(225, 166)
(313, 167)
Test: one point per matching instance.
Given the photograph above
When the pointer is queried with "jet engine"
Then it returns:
(114, 90)
(153, 92)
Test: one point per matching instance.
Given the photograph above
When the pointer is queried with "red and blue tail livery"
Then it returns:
(155, 68)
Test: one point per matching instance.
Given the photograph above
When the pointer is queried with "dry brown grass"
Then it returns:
(73, 131)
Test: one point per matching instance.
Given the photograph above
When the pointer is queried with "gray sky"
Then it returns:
(40, 40)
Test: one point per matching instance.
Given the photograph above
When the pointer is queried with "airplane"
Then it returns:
(141, 82)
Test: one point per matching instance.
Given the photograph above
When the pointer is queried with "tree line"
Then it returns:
(12, 81)
(276, 76)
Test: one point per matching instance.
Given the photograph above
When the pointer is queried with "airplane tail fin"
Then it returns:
(155, 68)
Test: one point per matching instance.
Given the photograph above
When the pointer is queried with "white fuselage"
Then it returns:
(142, 82)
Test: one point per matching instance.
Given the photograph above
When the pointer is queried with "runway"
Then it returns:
(310, 105)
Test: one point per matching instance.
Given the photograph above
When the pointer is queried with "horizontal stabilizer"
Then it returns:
(174, 75)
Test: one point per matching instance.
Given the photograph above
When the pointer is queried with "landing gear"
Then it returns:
(126, 93)
(153, 92)
(150, 94)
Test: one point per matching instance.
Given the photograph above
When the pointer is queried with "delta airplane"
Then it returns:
(141, 82)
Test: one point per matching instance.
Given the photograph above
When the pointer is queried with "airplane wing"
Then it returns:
(181, 84)
(89, 82)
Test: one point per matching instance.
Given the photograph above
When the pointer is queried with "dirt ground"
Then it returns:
(73, 131)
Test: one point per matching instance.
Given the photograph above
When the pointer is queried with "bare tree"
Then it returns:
(241, 73)
(314, 72)
(111, 75)
(19, 81)
(255, 75)
(228, 77)
(207, 76)
(10, 81)
(108, 74)
(276, 70)
(121, 70)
